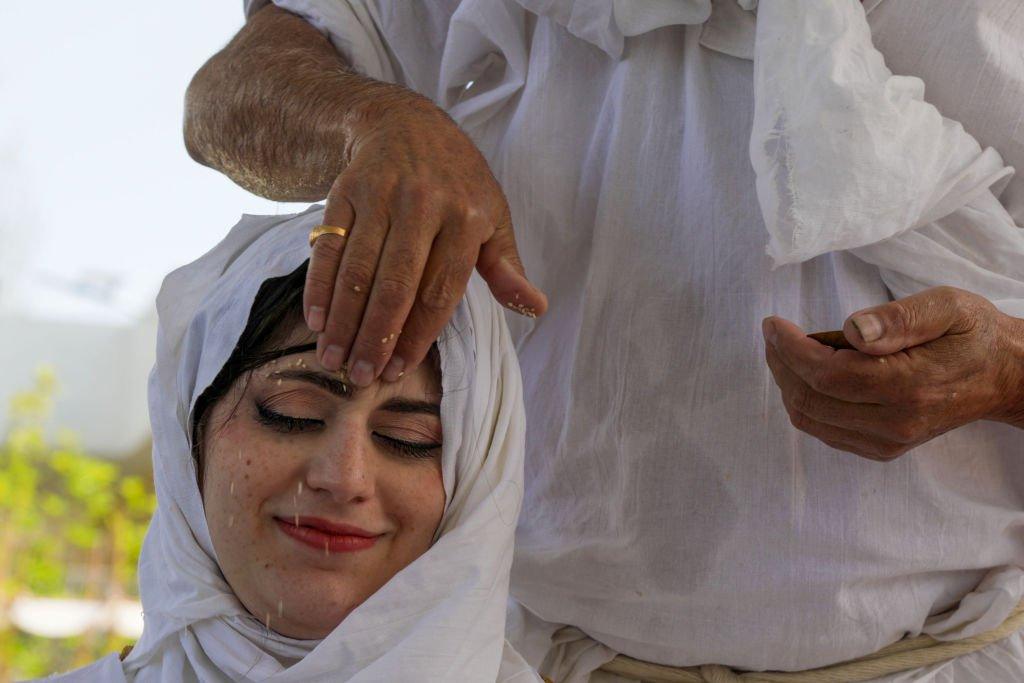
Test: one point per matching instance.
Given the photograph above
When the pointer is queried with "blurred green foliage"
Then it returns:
(71, 525)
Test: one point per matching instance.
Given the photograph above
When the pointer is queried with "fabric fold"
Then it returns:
(846, 153)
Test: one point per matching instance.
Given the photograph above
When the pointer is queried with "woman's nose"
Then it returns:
(345, 470)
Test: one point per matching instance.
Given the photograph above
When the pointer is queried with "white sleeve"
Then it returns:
(250, 6)
(397, 41)
(977, 247)
(352, 26)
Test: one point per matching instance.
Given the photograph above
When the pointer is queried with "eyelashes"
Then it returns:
(409, 448)
(284, 423)
(287, 424)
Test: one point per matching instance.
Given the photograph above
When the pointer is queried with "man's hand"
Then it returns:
(423, 210)
(925, 365)
(280, 113)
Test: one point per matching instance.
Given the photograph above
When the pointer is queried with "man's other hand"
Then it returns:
(924, 365)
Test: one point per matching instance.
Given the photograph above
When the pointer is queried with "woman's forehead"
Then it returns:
(424, 382)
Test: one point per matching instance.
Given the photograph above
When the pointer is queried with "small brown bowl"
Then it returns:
(835, 338)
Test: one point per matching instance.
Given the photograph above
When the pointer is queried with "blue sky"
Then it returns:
(98, 198)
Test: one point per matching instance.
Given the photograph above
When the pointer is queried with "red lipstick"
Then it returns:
(328, 537)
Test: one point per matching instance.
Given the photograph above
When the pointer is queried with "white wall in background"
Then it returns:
(101, 372)
(98, 198)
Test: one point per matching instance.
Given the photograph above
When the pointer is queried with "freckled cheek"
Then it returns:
(244, 474)
(419, 504)
(242, 489)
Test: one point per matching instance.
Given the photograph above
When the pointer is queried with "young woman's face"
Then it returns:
(316, 495)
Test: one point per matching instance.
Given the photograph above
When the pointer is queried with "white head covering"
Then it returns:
(442, 617)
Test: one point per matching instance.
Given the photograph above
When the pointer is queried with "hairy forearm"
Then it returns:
(278, 111)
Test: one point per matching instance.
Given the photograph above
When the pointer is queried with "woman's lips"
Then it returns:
(328, 537)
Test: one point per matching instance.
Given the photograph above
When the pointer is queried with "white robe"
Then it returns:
(671, 511)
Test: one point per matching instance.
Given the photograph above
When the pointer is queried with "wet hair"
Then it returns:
(275, 312)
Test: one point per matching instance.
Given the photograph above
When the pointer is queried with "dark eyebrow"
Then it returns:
(339, 388)
(405, 405)
(331, 384)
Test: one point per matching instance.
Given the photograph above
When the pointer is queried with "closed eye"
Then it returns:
(288, 424)
(409, 448)
(285, 423)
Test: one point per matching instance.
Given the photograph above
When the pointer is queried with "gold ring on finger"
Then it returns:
(323, 230)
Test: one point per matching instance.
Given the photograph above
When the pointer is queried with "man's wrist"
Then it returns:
(1011, 384)
(371, 104)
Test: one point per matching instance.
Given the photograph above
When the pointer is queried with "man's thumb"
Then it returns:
(500, 266)
(911, 321)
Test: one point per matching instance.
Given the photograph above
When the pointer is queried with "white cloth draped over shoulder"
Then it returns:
(442, 617)
(668, 193)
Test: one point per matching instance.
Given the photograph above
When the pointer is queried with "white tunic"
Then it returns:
(671, 511)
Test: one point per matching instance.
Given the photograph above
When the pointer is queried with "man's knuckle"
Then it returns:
(950, 295)
(903, 319)
(473, 214)
(464, 209)
(393, 289)
(904, 431)
(327, 250)
(439, 296)
(356, 276)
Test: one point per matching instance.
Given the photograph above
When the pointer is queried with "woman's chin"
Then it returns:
(314, 624)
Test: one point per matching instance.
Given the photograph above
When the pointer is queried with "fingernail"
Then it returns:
(772, 333)
(361, 373)
(394, 369)
(332, 358)
(869, 326)
(317, 318)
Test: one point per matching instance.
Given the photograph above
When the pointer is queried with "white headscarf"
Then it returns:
(442, 617)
